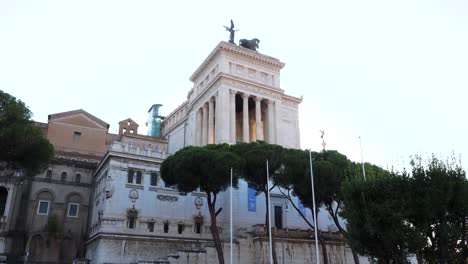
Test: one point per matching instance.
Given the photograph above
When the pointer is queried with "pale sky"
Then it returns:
(393, 72)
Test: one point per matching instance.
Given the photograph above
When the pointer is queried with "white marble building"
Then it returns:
(236, 97)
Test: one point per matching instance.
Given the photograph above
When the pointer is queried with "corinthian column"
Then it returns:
(271, 124)
(205, 125)
(232, 113)
(198, 127)
(245, 119)
(210, 121)
(258, 118)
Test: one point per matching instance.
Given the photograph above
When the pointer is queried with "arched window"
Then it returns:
(63, 177)
(138, 177)
(3, 200)
(78, 178)
(44, 201)
(154, 179)
(130, 176)
(49, 175)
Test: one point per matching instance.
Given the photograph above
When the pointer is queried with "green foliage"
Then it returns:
(254, 157)
(22, 144)
(438, 209)
(424, 213)
(201, 167)
(207, 168)
(376, 223)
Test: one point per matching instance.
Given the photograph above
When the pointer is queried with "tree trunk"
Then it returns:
(214, 229)
(443, 240)
(419, 257)
(355, 256)
(344, 233)
(267, 223)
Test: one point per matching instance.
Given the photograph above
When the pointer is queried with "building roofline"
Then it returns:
(78, 111)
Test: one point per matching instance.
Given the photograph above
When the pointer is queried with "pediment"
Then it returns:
(78, 118)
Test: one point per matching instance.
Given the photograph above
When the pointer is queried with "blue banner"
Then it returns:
(252, 200)
(301, 206)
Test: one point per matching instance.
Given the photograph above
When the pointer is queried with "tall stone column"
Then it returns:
(204, 125)
(258, 118)
(232, 113)
(271, 125)
(210, 121)
(245, 118)
(198, 127)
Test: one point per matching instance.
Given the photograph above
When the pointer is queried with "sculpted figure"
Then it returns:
(249, 44)
(231, 31)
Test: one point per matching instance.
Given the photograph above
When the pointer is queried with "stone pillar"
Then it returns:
(271, 125)
(198, 128)
(245, 118)
(232, 113)
(258, 118)
(223, 110)
(204, 140)
(210, 121)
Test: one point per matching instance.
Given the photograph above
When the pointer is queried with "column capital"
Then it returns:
(232, 92)
(270, 102)
(258, 98)
(244, 95)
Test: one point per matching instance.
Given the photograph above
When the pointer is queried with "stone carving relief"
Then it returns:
(133, 195)
(198, 202)
(109, 188)
(167, 198)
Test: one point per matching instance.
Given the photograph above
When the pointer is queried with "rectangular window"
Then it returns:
(278, 216)
(151, 226)
(18, 172)
(131, 222)
(180, 228)
(154, 179)
(138, 177)
(166, 227)
(130, 176)
(73, 209)
(198, 227)
(43, 207)
(76, 136)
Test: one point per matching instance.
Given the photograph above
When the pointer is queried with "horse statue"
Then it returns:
(249, 44)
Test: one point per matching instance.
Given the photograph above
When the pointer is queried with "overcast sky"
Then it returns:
(393, 72)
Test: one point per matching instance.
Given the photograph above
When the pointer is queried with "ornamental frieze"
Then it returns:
(167, 198)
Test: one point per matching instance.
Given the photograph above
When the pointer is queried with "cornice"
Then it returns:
(239, 51)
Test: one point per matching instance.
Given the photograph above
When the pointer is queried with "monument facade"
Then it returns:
(236, 97)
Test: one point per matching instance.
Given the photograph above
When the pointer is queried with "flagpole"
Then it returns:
(269, 212)
(362, 160)
(230, 193)
(313, 204)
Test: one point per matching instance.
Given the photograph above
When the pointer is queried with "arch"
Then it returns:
(48, 174)
(3, 199)
(77, 178)
(63, 177)
(73, 197)
(36, 246)
(44, 194)
(67, 249)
